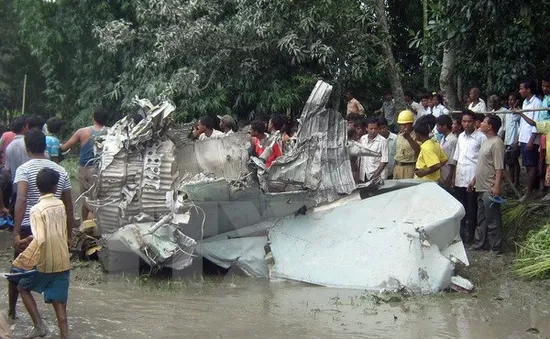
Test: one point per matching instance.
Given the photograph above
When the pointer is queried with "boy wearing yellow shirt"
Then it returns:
(431, 157)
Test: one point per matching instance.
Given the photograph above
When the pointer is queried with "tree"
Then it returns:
(391, 67)
(499, 43)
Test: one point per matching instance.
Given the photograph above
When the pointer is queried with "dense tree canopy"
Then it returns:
(262, 56)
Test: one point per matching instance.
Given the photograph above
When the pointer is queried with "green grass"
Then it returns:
(519, 219)
(533, 257)
(71, 166)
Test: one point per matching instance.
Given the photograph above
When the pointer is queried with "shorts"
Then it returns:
(530, 158)
(24, 232)
(55, 286)
(511, 156)
(86, 177)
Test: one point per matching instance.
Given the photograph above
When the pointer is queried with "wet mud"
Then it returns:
(124, 307)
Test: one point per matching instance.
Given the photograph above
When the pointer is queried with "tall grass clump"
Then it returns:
(533, 257)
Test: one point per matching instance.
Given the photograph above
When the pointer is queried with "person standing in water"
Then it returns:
(85, 137)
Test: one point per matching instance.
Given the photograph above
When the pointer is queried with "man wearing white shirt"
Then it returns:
(528, 138)
(496, 108)
(373, 167)
(438, 108)
(424, 106)
(477, 104)
(392, 145)
(410, 104)
(205, 129)
(448, 145)
(511, 133)
(466, 154)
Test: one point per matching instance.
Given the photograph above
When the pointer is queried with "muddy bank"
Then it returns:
(121, 307)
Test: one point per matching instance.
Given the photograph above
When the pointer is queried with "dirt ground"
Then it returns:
(124, 307)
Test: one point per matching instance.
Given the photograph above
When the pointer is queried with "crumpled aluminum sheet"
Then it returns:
(403, 242)
(137, 167)
(225, 157)
(320, 160)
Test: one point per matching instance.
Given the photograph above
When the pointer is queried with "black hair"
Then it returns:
(382, 121)
(479, 117)
(373, 121)
(388, 92)
(353, 116)
(18, 124)
(278, 121)
(350, 92)
(352, 132)
(360, 123)
(425, 96)
(476, 90)
(428, 119)
(444, 120)
(494, 121)
(207, 121)
(546, 77)
(439, 98)
(409, 94)
(530, 84)
(258, 126)
(470, 113)
(515, 95)
(36, 121)
(47, 180)
(101, 115)
(35, 141)
(54, 125)
(421, 128)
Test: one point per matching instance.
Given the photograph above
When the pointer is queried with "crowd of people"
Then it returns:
(469, 153)
(36, 197)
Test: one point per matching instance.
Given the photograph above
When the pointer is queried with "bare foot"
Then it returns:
(12, 315)
(39, 331)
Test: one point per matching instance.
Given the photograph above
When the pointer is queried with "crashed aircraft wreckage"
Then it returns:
(166, 199)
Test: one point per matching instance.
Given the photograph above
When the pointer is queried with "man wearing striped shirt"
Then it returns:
(28, 196)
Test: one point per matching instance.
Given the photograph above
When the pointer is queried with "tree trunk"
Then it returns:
(446, 78)
(392, 71)
(425, 70)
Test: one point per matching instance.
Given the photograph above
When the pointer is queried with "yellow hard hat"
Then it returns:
(405, 117)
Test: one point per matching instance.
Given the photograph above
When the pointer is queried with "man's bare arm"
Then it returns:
(75, 139)
(68, 202)
(20, 208)
(379, 169)
(414, 145)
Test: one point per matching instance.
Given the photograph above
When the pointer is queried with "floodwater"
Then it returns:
(113, 306)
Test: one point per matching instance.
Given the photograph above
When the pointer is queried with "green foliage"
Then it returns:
(519, 219)
(499, 43)
(533, 257)
(240, 56)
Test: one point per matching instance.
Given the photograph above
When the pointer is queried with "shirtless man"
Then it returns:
(85, 138)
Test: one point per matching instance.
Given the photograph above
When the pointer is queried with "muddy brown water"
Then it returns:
(120, 307)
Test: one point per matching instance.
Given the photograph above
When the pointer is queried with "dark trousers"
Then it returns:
(469, 222)
(489, 223)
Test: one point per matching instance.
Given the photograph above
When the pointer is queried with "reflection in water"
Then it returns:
(248, 308)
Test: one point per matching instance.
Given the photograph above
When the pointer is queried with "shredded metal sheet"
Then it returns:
(320, 160)
(136, 169)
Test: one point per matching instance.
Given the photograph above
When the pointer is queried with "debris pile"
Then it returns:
(163, 198)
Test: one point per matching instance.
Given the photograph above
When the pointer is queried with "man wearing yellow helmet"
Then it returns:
(407, 148)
